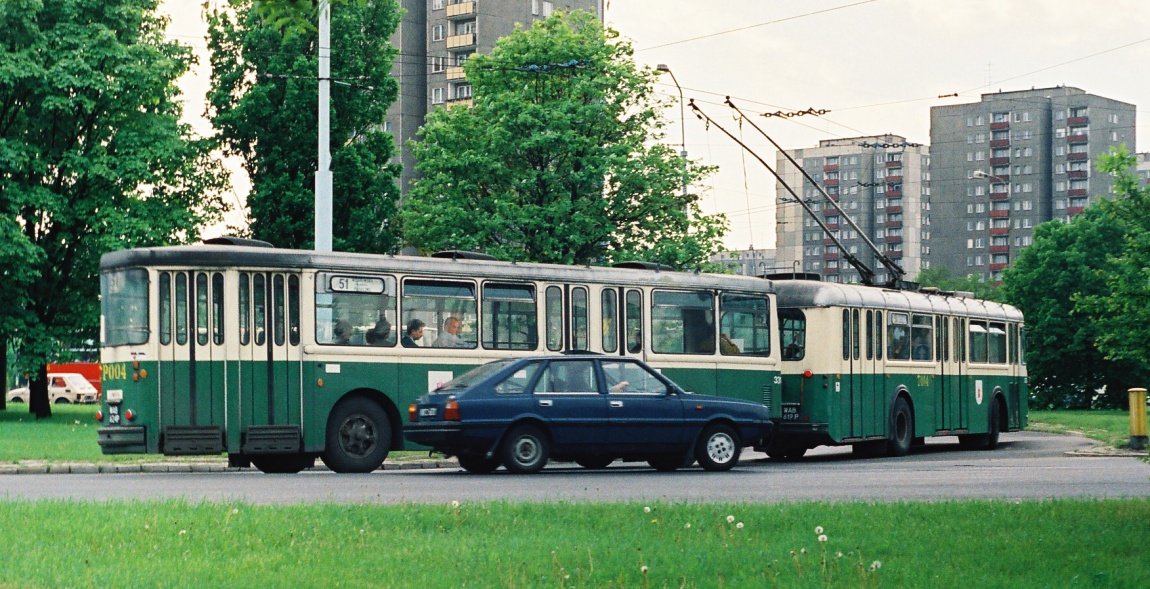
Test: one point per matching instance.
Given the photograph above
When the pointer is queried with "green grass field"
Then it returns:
(969, 544)
(1111, 427)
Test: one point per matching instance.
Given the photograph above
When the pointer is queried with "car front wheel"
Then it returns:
(718, 448)
(525, 450)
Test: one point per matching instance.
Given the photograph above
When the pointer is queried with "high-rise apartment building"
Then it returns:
(749, 262)
(434, 39)
(882, 182)
(1001, 166)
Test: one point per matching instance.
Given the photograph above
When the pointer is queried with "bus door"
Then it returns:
(871, 377)
(269, 368)
(847, 399)
(962, 389)
(190, 365)
(567, 317)
(860, 417)
(942, 389)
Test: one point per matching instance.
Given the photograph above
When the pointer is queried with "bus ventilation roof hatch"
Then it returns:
(794, 276)
(640, 265)
(233, 240)
(463, 255)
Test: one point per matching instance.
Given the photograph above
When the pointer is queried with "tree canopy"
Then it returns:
(1073, 286)
(264, 101)
(558, 158)
(93, 158)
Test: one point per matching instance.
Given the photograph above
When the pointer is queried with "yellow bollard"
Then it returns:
(1138, 439)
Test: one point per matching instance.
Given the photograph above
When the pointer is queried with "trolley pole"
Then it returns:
(1138, 438)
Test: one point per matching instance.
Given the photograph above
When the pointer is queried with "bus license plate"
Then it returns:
(790, 412)
(427, 412)
(113, 415)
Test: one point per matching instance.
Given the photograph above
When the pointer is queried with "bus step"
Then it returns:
(192, 439)
(271, 439)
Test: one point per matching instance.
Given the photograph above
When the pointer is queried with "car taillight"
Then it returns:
(411, 411)
(451, 411)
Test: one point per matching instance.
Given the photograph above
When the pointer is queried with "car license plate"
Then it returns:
(428, 412)
(113, 415)
(790, 412)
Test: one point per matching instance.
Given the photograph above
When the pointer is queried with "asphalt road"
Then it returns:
(1026, 466)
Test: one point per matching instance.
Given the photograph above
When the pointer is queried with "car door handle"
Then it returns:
(545, 402)
(616, 403)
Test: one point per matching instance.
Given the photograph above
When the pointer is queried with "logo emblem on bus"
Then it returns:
(978, 392)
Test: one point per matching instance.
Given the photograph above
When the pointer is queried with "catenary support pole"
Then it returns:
(323, 206)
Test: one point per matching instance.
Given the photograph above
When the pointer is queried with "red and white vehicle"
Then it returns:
(63, 387)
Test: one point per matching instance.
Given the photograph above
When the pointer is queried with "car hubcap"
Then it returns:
(526, 450)
(720, 448)
(357, 436)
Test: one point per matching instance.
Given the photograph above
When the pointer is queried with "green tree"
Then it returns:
(1068, 265)
(264, 102)
(557, 160)
(92, 158)
(941, 278)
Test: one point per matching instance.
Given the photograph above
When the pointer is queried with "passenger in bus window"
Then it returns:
(342, 333)
(727, 346)
(635, 341)
(380, 334)
(413, 334)
(449, 336)
(921, 351)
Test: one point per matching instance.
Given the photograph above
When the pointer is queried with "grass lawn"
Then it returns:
(959, 544)
(1110, 426)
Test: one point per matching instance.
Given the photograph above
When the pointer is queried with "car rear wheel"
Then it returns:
(477, 464)
(62, 401)
(718, 448)
(358, 436)
(594, 462)
(283, 463)
(525, 450)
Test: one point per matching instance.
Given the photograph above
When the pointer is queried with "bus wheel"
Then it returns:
(595, 462)
(901, 429)
(993, 426)
(718, 448)
(358, 436)
(525, 450)
(283, 463)
(477, 464)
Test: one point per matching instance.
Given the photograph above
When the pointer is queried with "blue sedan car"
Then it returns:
(591, 410)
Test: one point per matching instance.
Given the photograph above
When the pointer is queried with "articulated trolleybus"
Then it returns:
(277, 357)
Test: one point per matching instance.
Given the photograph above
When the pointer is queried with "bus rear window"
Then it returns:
(124, 307)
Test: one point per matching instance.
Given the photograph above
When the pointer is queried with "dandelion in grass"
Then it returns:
(643, 569)
(822, 537)
(235, 510)
(739, 525)
(688, 526)
(182, 532)
(361, 532)
(730, 519)
(818, 529)
(876, 565)
(803, 550)
(647, 509)
(839, 554)
(455, 504)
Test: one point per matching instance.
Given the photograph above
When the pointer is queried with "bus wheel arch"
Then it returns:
(901, 434)
(359, 434)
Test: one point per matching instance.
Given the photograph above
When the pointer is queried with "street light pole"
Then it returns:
(323, 181)
(663, 68)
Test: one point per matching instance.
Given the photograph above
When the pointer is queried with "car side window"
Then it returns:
(568, 377)
(517, 382)
(629, 377)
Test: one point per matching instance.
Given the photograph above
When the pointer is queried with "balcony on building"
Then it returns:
(893, 224)
(893, 193)
(832, 225)
(999, 249)
(831, 182)
(455, 72)
(832, 270)
(1077, 121)
(892, 179)
(1078, 157)
(464, 40)
(1000, 214)
(1077, 138)
(831, 255)
(1077, 174)
(453, 102)
(1075, 210)
(894, 164)
(1076, 192)
(894, 209)
(1004, 195)
(831, 168)
(459, 9)
(998, 143)
(894, 239)
(828, 241)
(996, 267)
(1000, 230)
(895, 255)
(999, 161)
(1000, 126)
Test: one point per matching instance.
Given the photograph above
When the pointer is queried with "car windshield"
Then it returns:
(473, 376)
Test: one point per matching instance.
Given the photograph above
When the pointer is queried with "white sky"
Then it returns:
(877, 65)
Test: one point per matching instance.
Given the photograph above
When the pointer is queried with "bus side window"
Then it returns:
(553, 316)
(354, 310)
(217, 308)
(633, 318)
(580, 340)
(278, 310)
(869, 334)
(878, 341)
(165, 308)
(846, 334)
(996, 343)
(608, 311)
(260, 308)
(922, 338)
(855, 333)
(793, 333)
(683, 322)
(744, 325)
(509, 317)
(181, 308)
(1022, 345)
(202, 309)
(245, 309)
(978, 343)
(434, 302)
(898, 336)
(293, 310)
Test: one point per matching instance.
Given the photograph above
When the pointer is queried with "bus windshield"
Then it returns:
(124, 307)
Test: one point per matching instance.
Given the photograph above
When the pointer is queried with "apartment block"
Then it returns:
(881, 182)
(749, 262)
(435, 38)
(1011, 161)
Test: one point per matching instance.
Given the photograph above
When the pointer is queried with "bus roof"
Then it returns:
(806, 294)
(227, 256)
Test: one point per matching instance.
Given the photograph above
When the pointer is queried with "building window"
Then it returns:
(437, 32)
(535, 7)
(437, 4)
(548, 8)
(463, 91)
(437, 64)
(437, 96)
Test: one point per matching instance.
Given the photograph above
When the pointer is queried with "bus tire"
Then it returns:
(358, 436)
(718, 448)
(901, 429)
(525, 450)
(283, 463)
(993, 424)
(476, 464)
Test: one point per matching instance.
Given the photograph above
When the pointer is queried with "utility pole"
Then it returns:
(323, 206)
